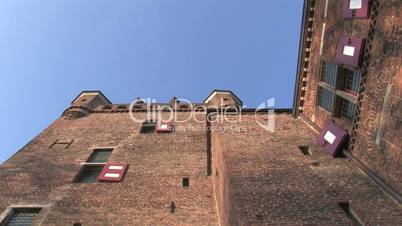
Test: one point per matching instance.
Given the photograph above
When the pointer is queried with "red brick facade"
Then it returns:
(233, 171)
(376, 129)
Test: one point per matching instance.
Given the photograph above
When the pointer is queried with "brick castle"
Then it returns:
(335, 158)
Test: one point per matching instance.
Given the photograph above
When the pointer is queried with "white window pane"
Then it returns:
(115, 167)
(349, 50)
(113, 175)
(330, 137)
(355, 4)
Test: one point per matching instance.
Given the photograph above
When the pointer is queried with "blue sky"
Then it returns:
(51, 50)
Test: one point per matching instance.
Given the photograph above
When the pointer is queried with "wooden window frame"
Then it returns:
(339, 93)
(88, 163)
(7, 214)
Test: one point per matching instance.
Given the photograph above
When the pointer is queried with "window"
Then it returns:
(352, 81)
(89, 174)
(325, 98)
(337, 90)
(345, 206)
(100, 155)
(148, 127)
(186, 182)
(347, 110)
(22, 216)
(305, 150)
(355, 4)
(328, 73)
(93, 167)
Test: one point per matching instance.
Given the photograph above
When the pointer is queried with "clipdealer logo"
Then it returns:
(167, 113)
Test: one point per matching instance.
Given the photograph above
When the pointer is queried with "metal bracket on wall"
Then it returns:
(66, 144)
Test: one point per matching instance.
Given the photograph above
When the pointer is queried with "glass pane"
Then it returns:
(348, 109)
(328, 73)
(90, 174)
(355, 4)
(148, 127)
(352, 81)
(23, 216)
(325, 98)
(100, 155)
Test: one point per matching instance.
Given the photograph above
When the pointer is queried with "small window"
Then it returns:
(89, 174)
(355, 4)
(349, 50)
(92, 168)
(23, 216)
(325, 98)
(345, 206)
(328, 73)
(305, 150)
(348, 110)
(148, 127)
(186, 182)
(100, 155)
(352, 81)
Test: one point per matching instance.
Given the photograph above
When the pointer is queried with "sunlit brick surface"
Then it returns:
(158, 162)
(264, 179)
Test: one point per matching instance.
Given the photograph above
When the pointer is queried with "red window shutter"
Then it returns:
(349, 51)
(113, 172)
(331, 138)
(356, 8)
(164, 128)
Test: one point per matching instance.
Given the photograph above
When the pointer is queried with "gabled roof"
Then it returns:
(214, 92)
(88, 92)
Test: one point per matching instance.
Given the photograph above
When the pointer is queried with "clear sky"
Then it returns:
(51, 50)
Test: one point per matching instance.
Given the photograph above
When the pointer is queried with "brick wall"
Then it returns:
(264, 179)
(158, 162)
(378, 143)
